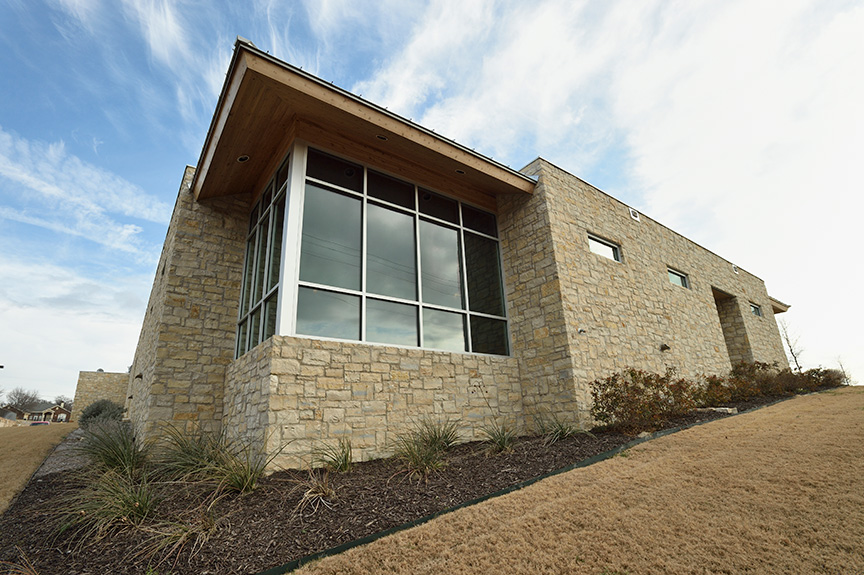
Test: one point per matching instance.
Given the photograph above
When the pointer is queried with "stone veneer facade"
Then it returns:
(187, 339)
(95, 385)
(574, 316)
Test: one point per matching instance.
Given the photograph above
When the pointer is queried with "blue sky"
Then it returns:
(736, 123)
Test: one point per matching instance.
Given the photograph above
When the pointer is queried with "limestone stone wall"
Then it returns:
(95, 385)
(541, 343)
(620, 314)
(301, 393)
(187, 339)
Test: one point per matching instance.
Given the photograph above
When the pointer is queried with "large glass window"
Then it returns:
(259, 295)
(384, 261)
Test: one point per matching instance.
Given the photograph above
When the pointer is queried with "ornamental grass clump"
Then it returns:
(337, 458)
(422, 449)
(111, 446)
(498, 436)
(234, 466)
(111, 501)
(554, 429)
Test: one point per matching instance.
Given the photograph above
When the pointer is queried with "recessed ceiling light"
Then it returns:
(382, 137)
(243, 158)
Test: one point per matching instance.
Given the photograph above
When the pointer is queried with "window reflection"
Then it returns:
(330, 249)
(440, 262)
(391, 267)
(443, 330)
(390, 322)
(328, 314)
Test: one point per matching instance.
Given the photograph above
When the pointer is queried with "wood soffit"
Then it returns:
(265, 103)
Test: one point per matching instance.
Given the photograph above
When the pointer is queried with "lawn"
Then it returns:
(22, 450)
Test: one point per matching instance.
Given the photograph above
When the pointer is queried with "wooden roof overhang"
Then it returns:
(778, 306)
(266, 104)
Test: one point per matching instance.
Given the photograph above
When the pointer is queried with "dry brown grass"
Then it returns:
(22, 450)
(780, 490)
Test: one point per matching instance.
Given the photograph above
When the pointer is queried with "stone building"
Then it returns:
(333, 270)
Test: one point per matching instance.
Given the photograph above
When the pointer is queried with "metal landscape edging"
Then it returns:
(297, 563)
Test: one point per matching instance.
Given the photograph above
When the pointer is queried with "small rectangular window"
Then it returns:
(604, 248)
(756, 310)
(678, 278)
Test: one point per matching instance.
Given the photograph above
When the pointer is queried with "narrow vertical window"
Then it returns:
(259, 294)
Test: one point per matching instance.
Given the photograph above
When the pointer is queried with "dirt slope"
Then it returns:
(780, 490)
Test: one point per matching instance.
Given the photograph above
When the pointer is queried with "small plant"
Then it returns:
(232, 465)
(196, 526)
(441, 435)
(417, 455)
(112, 501)
(100, 412)
(556, 429)
(25, 567)
(318, 492)
(337, 457)
(241, 466)
(190, 456)
(111, 445)
(499, 437)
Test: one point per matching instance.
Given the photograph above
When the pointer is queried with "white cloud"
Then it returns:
(164, 30)
(57, 322)
(740, 123)
(43, 185)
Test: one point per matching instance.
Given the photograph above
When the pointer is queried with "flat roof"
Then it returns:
(266, 103)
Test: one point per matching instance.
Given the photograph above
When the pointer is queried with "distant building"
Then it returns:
(41, 411)
(333, 270)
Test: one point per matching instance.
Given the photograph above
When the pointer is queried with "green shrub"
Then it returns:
(100, 411)
(418, 456)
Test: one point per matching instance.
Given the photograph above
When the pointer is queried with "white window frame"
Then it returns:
(616, 248)
(756, 309)
(289, 283)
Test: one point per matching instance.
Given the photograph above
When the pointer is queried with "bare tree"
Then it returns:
(22, 399)
(64, 400)
(792, 346)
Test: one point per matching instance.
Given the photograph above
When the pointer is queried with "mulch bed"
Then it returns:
(264, 529)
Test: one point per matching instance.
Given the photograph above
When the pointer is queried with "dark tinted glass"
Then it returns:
(390, 254)
(488, 335)
(276, 243)
(479, 221)
(389, 322)
(328, 314)
(335, 171)
(282, 176)
(484, 275)
(390, 190)
(439, 207)
(330, 248)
